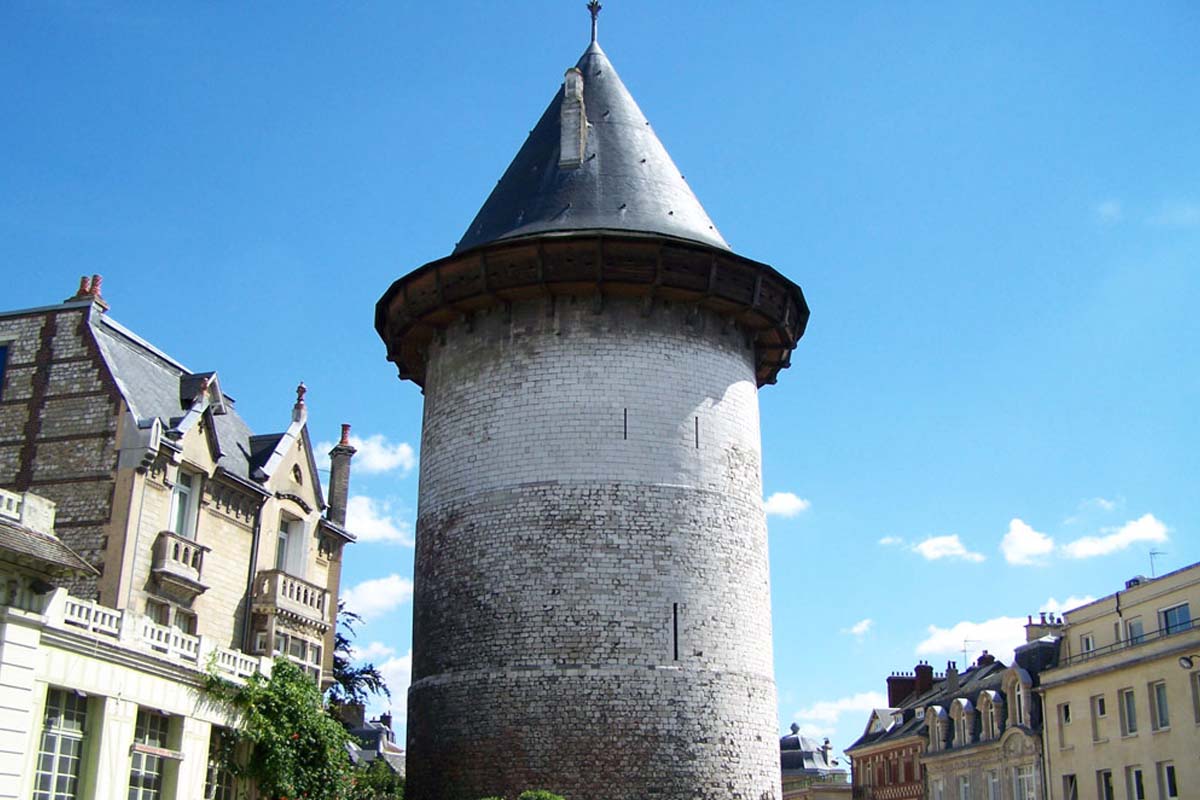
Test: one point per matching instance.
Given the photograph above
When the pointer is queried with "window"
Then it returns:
(993, 784)
(63, 731)
(1160, 715)
(288, 546)
(1134, 786)
(964, 788)
(1024, 787)
(1104, 785)
(1064, 719)
(3, 361)
(1099, 712)
(296, 648)
(184, 499)
(1175, 619)
(989, 720)
(218, 780)
(1128, 712)
(962, 735)
(937, 789)
(1019, 705)
(1134, 630)
(146, 769)
(1070, 788)
(159, 613)
(1087, 643)
(185, 621)
(281, 644)
(1168, 789)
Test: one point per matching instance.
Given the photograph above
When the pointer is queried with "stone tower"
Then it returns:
(592, 603)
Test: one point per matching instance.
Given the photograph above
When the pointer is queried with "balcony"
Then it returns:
(178, 565)
(1141, 640)
(293, 598)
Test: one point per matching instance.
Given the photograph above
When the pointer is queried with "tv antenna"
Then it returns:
(966, 646)
(1154, 553)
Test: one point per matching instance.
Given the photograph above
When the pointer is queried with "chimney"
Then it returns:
(89, 289)
(352, 715)
(339, 477)
(924, 674)
(386, 721)
(572, 121)
(951, 676)
(986, 659)
(1051, 625)
(900, 687)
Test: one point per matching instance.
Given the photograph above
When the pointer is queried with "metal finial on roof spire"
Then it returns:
(594, 7)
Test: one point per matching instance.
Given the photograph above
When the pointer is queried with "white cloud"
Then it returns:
(1023, 545)
(377, 596)
(860, 628)
(374, 650)
(1177, 215)
(999, 636)
(373, 521)
(1102, 503)
(1052, 606)
(785, 504)
(820, 718)
(1144, 529)
(888, 541)
(1109, 211)
(375, 454)
(936, 547)
(397, 675)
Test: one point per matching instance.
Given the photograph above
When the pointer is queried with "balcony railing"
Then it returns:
(136, 632)
(171, 641)
(179, 561)
(1135, 641)
(276, 590)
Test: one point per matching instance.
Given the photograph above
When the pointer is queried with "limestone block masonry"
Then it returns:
(592, 605)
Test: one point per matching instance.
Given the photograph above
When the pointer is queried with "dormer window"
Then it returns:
(185, 497)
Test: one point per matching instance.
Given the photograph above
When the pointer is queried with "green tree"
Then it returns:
(286, 743)
(352, 684)
(376, 781)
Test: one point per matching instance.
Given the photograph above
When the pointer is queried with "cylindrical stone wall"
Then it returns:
(592, 609)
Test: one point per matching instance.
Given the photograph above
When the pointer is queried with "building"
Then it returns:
(97, 702)
(373, 738)
(808, 772)
(179, 541)
(974, 735)
(591, 593)
(1123, 703)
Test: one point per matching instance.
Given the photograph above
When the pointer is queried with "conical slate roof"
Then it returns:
(626, 181)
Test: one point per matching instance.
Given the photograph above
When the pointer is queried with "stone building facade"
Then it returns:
(591, 598)
(974, 735)
(95, 702)
(1123, 703)
(186, 516)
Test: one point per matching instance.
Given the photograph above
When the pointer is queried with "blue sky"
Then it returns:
(994, 213)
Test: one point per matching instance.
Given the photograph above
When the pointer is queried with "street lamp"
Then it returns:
(1187, 662)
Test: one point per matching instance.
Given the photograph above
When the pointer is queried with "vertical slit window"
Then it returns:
(675, 629)
(697, 433)
(625, 423)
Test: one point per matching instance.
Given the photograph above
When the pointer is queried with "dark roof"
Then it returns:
(627, 181)
(47, 552)
(971, 682)
(155, 386)
(800, 754)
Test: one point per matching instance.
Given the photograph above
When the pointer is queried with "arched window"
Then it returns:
(962, 712)
(1018, 691)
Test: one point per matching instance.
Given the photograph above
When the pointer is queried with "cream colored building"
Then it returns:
(151, 536)
(1123, 705)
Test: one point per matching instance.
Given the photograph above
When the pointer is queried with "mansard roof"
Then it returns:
(625, 181)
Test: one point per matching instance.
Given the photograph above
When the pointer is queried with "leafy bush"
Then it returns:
(287, 744)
